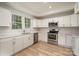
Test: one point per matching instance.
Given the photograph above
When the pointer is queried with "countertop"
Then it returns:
(9, 36)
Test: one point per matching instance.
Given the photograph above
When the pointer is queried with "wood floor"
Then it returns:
(44, 49)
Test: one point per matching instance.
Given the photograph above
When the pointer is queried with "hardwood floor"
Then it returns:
(44, 49)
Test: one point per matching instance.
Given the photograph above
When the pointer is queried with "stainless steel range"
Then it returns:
(53, 33)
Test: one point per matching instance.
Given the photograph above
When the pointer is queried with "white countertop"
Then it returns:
(10, 35)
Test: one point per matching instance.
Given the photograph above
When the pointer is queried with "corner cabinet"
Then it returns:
(5, 17)
(74, 20)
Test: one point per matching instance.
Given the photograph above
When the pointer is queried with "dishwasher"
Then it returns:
(35, 38)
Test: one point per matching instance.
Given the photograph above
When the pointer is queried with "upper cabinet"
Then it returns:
(76, 8)
(55, 19)
(68, 21)
(60, 22)
(63, 21)
(34, 21)
(40, 23)
(43, 23)
(74, 20)
(5, 17)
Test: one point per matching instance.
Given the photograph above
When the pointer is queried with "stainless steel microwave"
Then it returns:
(52, 24)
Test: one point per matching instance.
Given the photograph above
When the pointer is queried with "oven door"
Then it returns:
(52, 36)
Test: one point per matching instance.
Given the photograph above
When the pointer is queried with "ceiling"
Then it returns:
(39, 9)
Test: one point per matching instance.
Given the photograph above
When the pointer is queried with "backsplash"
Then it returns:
(6, 32)
(69, 30)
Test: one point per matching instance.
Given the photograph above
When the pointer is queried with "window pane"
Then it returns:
(16, 22)
(27, 22)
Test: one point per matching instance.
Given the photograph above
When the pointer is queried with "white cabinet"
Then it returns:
(78, 20)
(60, 22)
(64, 21)
(41, 23)
(75, 45)
(25, 41)
(50, 19)
(65, 40)
(5, 17)
(61, 39)
(68, 40)
(34, 23)
(55, 19)
(44, 23)
(22, 42)
(74, 21)
(67, 21)
(6, 47)
(29, 40)
(76, 8)
(18, 43)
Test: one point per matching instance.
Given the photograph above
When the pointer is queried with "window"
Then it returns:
(27, 22)
(16, 22)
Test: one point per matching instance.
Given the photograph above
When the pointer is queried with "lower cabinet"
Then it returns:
(65, 40)
(25, 41)
(18, 44)
(61, 40)
(75, 45)
(28, 40)
(10, 46)
(68, 41)
(6, 47)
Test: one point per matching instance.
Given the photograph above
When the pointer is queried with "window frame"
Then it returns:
(28, 22)
(16, 23)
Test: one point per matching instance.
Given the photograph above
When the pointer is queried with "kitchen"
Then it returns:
(21, 29)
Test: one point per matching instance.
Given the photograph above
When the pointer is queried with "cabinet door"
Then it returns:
(5, 17)
(44, 23)
(61, 39)
(78, 20)
(38, 23)
(50, 20)
(67, 21)
(25, 41)
(75, 46)
(73, 20)
(6, 47)
(68, 41)
(55, 19)
(34, 23)
(19, 44)
(30, 39)
(60, 21)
